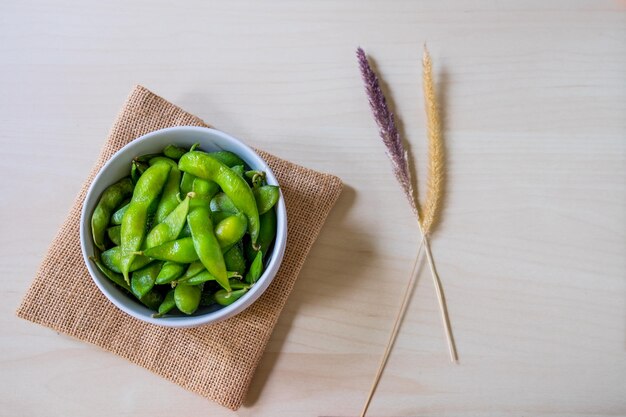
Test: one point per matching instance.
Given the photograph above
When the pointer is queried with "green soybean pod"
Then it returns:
(227, 158)
(187, 298)
(230, 230)
(193, 269)
(221, 202)
(267, 233)
(169, 198)
(167, 305)
(113, 276)
(266, 197)
(170, 271)
(226, 298)
(174, 152)
(234, 260)
(186, 183)
(135, 220)
(204, 166)
(171, 226)
(143, 280)
(117, 217)
(238, 169)
(109, 200)
(114, 234)
(112, 258)
(204, 191)
(256, 269)
(180, 250)
(206, 244)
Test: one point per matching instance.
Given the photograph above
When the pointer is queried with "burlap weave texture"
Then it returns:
(216, 361)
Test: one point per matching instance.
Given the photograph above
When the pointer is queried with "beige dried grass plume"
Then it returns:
(436, 154)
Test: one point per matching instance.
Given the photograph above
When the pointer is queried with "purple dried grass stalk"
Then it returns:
(387, 128)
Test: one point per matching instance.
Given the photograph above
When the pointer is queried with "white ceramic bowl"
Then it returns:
(119, 166)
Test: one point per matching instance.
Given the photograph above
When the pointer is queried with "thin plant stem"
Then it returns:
(395, 329)
(443, 309)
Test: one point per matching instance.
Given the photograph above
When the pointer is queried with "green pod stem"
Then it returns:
(255, 177)
(222, 203)
(206, 244)
(143, 280)
(266, 197)
(135, 220)
(230, 230)
(114, 234)
(226, 298)
(206, 167)
(234, 260)
(108, 202)
(171, 226)
(117, 217)
(170, 271)
(167, 305)
(267, 233)
(180, 251)
(112, 258)
(174, 152)
(187, 298)
(116, 278)
(169, 199)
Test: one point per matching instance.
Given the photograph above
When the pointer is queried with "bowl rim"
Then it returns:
(225, 312)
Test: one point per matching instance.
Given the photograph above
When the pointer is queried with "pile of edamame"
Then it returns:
(185, 229)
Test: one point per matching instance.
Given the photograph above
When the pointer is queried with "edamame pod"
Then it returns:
(226, 298)
(187, 298)
(135, 219)
(170, 272)
(230, 230)
(204, 166)
(112, 258)
(171, 226)
(266, 197)
(167, 305)
(114, 234)
(174, 152)
(169, 198)
(110, 199)
(206, 244)
(142, 281)
(180, 251)
(114, 277)
(117, 217)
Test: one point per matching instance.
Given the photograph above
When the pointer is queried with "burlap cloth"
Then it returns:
(216, 361)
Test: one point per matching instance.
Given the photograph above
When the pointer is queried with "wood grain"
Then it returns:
(532, 245)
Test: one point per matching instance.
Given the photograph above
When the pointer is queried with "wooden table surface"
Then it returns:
(532, 245)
